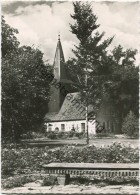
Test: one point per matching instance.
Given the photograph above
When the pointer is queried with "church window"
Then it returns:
(83, 127)
(50, 127)
(62, 127)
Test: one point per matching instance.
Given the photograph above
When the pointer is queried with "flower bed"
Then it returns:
(30, 160)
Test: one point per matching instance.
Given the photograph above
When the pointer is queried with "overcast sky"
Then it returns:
(39, 23)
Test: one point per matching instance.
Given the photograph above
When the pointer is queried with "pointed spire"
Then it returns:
(59, 67)
(59, 36)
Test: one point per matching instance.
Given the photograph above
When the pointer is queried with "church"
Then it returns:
(66, 112)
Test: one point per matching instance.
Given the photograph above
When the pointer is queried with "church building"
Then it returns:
(67, 112)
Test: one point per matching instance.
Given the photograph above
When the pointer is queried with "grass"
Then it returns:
(79, 142)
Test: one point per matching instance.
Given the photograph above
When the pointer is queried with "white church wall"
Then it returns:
(66, 126)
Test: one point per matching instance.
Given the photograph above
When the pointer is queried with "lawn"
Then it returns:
(80, 142)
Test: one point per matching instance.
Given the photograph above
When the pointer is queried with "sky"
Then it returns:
(39, 23)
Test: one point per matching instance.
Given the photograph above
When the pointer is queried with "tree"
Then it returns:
(91, 57)
(124, 88)
(130, 125)
(91, 64)
(25, 86)
(9, 42)
(97, 72)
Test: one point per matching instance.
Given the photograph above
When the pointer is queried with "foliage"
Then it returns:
(99, 71)
(35, 135)
(104, 134)
(18, 181)
(64, 135)
(9, 42)
(49, 180)
(30, 160)
(71, 133)
(80, 135)
(91, 60)
(25, 87)
(124, 87)
(104, 181)
(130, 125)
(52, 135)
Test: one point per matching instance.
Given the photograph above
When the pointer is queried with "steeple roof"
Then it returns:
(59, 62)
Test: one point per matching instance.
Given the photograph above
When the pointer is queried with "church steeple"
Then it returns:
(60, 78)
(59, 62)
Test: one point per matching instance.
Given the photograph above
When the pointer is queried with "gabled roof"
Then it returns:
(72, 109)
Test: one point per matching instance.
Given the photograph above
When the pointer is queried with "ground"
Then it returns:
(104, 141)
(37, 189)
(96, 141)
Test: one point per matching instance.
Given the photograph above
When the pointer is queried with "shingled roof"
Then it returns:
(72, 109)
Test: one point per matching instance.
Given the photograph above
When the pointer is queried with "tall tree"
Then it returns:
(91, 64)
(25, 86)
(124, 87)
(91, 59)
(96, 71)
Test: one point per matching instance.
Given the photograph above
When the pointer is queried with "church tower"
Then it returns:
(59, 63)
(60, 78)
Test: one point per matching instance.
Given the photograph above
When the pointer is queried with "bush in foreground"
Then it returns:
(130, 125)
(27, 161)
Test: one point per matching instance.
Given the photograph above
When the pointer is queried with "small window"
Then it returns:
(49, 127)
(104, 125)
(83, 127)
(62, 127)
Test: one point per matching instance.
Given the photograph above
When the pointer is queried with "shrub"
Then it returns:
(18, 181)
(30, 160)
(37, 135)
(130, 125)
(79, 134)
(62, 135)
(52, 135)
(104, 134)
(50, 180)
(71, 133)
(19, 160)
